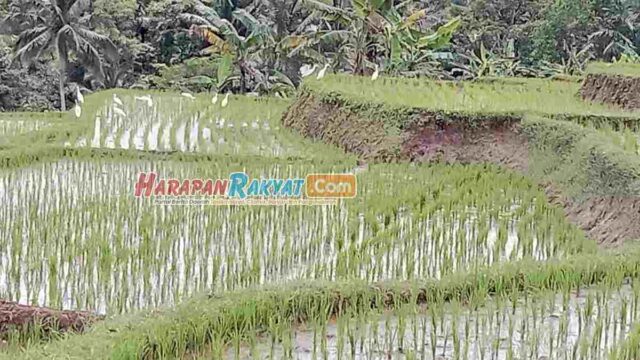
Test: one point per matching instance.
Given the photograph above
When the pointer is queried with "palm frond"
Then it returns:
(109, 48)
(26, 51)
(195, 19)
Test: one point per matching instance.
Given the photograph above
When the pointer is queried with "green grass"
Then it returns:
(582, 160)
(624, 69)
(515, 96)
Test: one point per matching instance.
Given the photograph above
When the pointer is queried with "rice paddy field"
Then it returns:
(625, 69)
(486, 96)
(428, 261)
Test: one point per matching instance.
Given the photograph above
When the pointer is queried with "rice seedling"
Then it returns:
(223, 322)
(10, 128)
(94, 246)
(624, 136)
(544, 325)
(625, 69)
(170, 123)
(429, 261)
(500, 96)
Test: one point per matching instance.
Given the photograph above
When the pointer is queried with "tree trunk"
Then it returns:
(62, 58)
(243, 78)
(63, 105)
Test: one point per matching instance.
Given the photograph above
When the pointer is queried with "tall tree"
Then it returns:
(62, 27)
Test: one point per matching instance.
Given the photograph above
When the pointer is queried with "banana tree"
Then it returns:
(240, 42)
(374, 26)
(351, 28)
(407, 45)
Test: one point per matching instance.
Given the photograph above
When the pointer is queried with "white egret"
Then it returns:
(119, 111)
(225, 101)
(77, 110)
(307, 69)
(206, 134)
(79, 96)
(244, 124)
(376, 73)
(188, 96)
(322, 72)
(214, 100)
(147, 99)
(361, 168)
(117, 100)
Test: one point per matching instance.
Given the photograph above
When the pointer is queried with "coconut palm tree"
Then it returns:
(61, 27)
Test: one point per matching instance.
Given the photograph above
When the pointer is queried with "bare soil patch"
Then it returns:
(623, 91)
(492, 140)
(14, 316)
(334, 125)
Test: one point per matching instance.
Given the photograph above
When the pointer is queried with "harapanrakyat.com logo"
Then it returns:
(240, 189)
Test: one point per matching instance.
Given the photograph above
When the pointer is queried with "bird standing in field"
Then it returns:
(119, 111)
(376, 73)
(147, 99)
(79, 96)
(117, 100)
(225, 101)
(322, 72)
(307, 70)
(77, 110)
(214, 99)
(188, 96)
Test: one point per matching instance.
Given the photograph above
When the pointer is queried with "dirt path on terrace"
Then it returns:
(609, 221)
(14, 316)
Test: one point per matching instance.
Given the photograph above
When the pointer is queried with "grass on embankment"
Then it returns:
(406, 122)
(238, 316)
(509, 96)
(581, 160)
(624, 69)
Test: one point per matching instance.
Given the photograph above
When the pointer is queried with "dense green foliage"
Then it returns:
(259, 46)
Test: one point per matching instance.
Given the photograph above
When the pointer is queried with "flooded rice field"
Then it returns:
(573, 325)
(95, 246)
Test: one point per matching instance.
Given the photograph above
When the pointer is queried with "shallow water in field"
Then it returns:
(10, 128)
(75, 236)
(165, 127)
(549, 327)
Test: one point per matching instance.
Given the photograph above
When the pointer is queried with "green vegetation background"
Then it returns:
(259, 46)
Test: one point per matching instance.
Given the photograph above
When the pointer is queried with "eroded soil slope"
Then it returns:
(14, 316)
(432, 136)
(616, 90)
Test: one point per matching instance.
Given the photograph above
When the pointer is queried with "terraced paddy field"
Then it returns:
(493, 220)
(617, 84)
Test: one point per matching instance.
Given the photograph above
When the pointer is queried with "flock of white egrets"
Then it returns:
(118, 104)
(308, 69)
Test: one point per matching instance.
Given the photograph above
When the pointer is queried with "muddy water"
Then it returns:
(548, 328)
